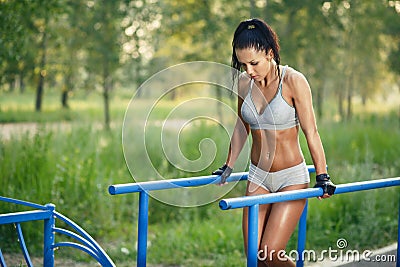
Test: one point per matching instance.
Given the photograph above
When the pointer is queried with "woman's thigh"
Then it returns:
(263, 213)
(282, 221)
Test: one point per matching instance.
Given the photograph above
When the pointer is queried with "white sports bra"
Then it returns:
(277, 115)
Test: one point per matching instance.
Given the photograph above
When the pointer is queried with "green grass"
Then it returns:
(73, 168)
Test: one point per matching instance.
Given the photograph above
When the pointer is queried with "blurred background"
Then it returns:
(68, 71)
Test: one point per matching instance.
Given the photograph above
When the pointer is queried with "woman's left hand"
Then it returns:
(324, 182)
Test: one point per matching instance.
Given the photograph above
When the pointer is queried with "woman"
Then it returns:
(273, 101)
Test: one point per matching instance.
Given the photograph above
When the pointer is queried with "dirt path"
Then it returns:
(10, 130)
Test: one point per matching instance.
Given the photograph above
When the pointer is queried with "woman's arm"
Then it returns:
(242, 129)
(302, 99)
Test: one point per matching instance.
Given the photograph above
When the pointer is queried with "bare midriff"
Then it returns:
(275, 150)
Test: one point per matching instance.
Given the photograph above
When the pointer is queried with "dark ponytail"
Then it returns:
(257, 34)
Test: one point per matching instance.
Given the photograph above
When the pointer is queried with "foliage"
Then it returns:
(103, 50)
(101, 44)
(72, 164)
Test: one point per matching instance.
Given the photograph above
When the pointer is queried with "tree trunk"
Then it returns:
(21, 83)
(42, 74)
(349, 99)
(65, 90)
(11, 83)
(64, 98)
(340, 104)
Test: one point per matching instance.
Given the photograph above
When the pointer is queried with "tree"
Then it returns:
(40, 25)
(14, 40)
(103, 31)
(72, 43)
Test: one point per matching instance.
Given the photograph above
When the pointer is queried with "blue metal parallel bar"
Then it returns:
(119, 189)
(24, 216)
(2, 261)
(252, 255)
(240, 202)
(301, 239)
(48, 238)
(172, 183)
(143, 187)
(251, 201)
(23, 245)
(246, 201)
(143, 222)
(367, 185)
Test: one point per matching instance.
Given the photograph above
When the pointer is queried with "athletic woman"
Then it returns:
(274, 101)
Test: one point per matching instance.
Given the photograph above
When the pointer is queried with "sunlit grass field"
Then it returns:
(73, 166)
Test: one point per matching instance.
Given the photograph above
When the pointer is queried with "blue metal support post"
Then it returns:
(48, 248)
(143, 221)
(301, 239)
(252, 253)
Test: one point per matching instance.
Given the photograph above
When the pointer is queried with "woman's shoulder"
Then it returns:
(294, 78)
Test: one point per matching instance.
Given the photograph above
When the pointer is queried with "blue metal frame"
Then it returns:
(2, 261)
(144, 187)
(302, 231)
(252, 202)
(22, 245)
(48, 214)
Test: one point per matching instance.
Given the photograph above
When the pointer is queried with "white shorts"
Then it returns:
(275, 181)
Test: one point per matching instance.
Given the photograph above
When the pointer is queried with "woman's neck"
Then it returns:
(271, 75)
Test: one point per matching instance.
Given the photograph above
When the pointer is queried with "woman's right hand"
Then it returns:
(224, 172)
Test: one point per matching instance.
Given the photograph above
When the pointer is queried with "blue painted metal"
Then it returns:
(301, 239)
(249, 201)
(2, 261)
(246, 201)
(172, 183)
(48, 214)
(80, 247)
(48, 238)
(26, 216)
(22, 202)
(22, 245)
(74, 236)
(142, 228)
(367, 185)
(99, 251)
(252, 248)
(144, 187)
(178, 183)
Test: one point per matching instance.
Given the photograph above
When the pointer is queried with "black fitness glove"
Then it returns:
(224, 171)
(324, 181)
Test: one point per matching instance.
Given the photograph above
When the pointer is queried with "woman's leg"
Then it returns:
(281, 223)
(264, 211)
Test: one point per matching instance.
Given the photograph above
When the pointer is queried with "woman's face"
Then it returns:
(257, 64)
